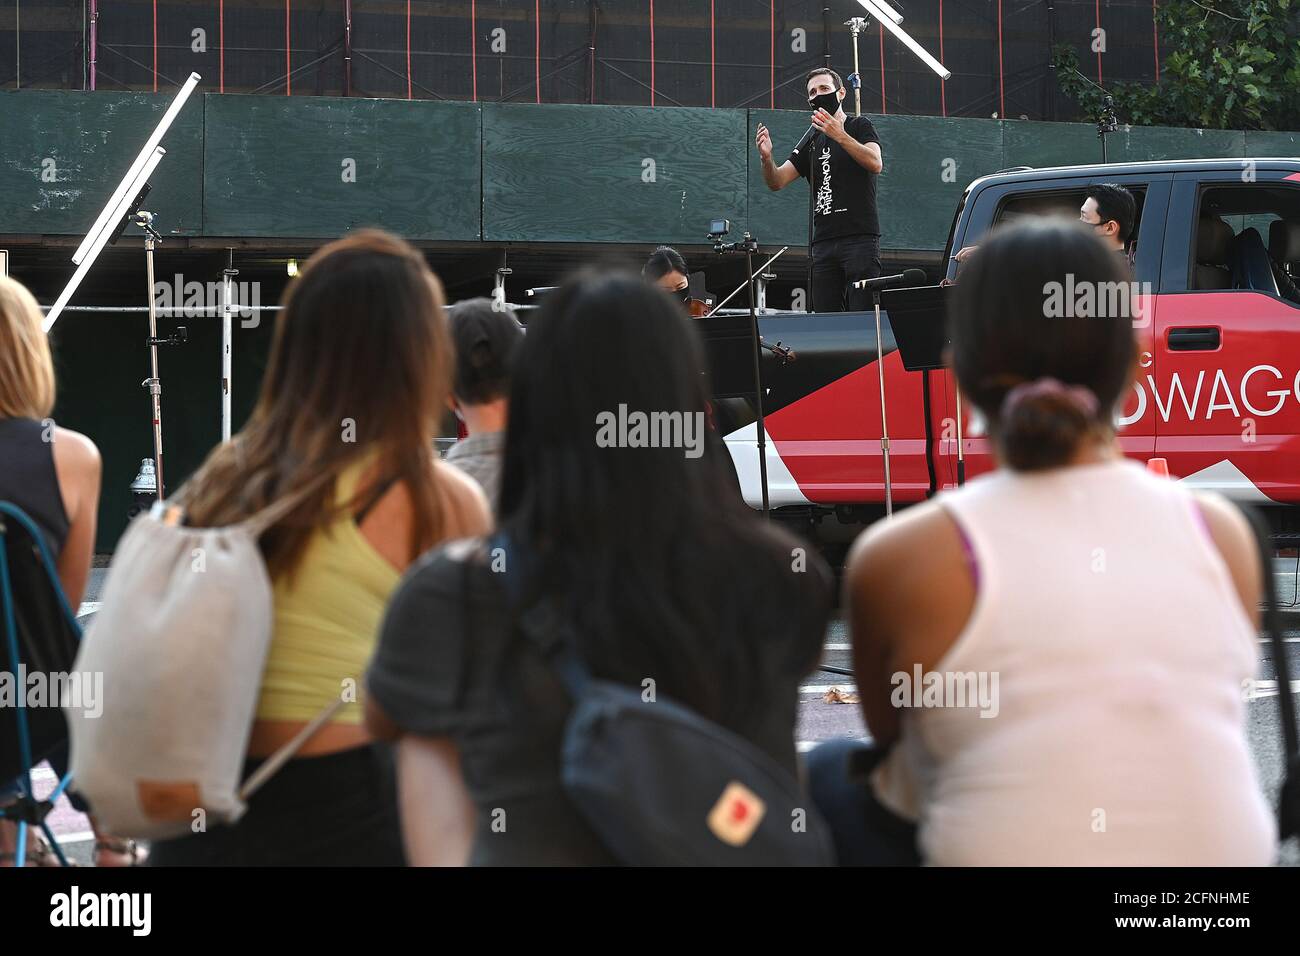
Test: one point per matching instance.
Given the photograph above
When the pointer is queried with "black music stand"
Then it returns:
(919, 320)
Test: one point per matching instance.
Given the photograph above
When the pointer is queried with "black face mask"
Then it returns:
(684, 294)
(830, 102)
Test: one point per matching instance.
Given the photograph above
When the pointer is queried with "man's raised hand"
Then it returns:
(828, 124)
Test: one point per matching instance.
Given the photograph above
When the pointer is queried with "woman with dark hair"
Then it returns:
(661, 573)
(667, 269)
(353, 394)
(1053, 655)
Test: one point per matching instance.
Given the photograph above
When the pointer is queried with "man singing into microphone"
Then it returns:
(840, 159)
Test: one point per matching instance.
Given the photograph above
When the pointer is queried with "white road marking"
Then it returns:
(838, 647)
(848, 688)
(803, 746)
(1268, 688)
(88, 607)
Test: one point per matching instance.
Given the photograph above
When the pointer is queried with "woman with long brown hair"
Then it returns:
(354, 390)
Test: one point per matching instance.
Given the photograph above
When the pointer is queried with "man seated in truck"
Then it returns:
(1110, 209)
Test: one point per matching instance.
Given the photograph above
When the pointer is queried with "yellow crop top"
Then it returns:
(327, 623)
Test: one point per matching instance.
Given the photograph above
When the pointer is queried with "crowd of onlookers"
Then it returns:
(1110, 614)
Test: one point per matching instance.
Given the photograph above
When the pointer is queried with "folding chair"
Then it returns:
(40, 635)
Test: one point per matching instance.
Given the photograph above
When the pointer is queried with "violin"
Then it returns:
(783, 352)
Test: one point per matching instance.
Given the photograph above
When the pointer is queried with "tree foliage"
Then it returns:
(1234, 64)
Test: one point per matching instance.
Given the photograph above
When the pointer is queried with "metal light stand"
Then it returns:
(856, 25)
(227, 342)
(748, 245)
(153, 383)
(884, 421)
(760, 283)
(499, 284)
(961, 444)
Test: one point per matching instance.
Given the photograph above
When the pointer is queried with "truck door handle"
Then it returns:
(1204, 338)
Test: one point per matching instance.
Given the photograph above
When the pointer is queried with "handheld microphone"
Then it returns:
(804, 141)
(909, 277)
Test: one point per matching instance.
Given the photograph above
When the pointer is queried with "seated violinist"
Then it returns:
(667, 269)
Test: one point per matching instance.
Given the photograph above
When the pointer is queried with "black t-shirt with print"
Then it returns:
(844, 191)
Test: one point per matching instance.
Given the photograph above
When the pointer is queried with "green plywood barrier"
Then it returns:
(1069, 144)
(318, 166)
(1050, 144)
(1273, 144)
(62, 154)
(270, 166)
(779, 218)
(610, 173)
(929, 161)
(1136, 144)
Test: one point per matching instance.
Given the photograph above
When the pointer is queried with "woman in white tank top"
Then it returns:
(1056, 654)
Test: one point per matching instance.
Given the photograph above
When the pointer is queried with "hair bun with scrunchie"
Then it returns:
(1041, 422)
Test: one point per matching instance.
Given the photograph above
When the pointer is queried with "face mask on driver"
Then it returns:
(830, 102)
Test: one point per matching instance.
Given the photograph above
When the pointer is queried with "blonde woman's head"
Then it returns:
(26, 368)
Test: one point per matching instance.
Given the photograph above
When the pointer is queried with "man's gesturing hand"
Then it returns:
(832, 126)
(764, 142)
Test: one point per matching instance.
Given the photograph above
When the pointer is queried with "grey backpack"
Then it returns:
(179, 644)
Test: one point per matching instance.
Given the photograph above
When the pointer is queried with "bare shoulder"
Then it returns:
(1226, 521)
(921, 539)
(908, 587)
(473, 514)
(74, 454)
(1235, 540)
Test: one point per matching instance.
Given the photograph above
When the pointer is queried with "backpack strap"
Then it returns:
(541, 623)
(256, 524)
(272, 764)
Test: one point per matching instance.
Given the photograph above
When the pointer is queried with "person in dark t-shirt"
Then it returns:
(645, 560)
(841, 161)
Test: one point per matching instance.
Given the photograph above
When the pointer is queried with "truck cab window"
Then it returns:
(1248, 238)
(1065, 203)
